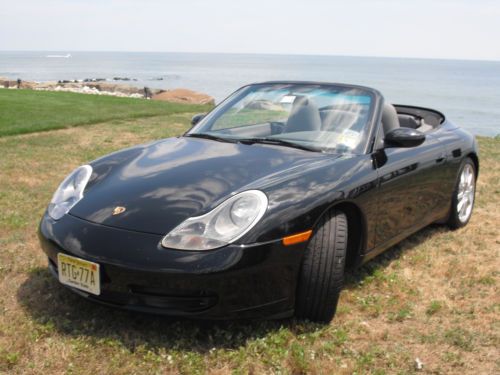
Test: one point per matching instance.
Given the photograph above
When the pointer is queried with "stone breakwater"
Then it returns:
(100, 87)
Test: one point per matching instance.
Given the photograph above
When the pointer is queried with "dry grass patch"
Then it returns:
(433, 297)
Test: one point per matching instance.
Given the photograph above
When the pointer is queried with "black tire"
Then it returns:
(454, 220)
(322, 273)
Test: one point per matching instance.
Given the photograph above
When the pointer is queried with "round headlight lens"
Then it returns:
(223, 225)
(69, 192)
(244, 210)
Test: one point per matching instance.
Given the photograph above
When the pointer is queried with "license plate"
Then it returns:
(79, 273)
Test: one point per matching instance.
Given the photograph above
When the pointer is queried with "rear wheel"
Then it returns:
(322, 274)
(462, 201)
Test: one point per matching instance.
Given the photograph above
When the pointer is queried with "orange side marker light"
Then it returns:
(296, 238)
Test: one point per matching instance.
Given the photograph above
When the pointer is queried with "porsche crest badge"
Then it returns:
(118, 210)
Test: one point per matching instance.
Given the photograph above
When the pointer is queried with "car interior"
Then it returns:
(424, 120)
(306, 122)
(338, 125)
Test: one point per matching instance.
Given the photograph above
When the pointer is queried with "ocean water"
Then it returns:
(468, 92)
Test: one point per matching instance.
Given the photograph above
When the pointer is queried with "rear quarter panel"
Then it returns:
(458, 144)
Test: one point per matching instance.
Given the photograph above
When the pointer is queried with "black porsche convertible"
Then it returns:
(258, 209)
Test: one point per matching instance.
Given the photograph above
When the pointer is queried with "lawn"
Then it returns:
(27, 111)
(434, 297)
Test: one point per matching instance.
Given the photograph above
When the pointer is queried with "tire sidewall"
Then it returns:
(314, 300)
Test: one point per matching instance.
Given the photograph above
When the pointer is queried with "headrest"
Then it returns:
(390, 119)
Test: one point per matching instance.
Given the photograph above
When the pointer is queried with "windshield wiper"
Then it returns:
(249, 141)
(211, 136)
(278, 142)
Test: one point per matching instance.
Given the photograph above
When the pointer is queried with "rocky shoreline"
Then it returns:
(101, 86)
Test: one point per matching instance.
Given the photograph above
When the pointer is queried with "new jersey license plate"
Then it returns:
(79, 273)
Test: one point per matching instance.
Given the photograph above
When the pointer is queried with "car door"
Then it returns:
(409, 192)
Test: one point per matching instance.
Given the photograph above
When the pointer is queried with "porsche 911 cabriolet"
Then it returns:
(259, 209)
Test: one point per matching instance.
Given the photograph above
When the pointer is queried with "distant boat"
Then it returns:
(60, 56)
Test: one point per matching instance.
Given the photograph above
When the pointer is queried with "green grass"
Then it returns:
(433, 308)
(432, 297)
(26, 111)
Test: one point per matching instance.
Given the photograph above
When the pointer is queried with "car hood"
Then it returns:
(163, 183)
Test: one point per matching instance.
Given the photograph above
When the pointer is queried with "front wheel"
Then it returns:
(462, 201)
(322, 273)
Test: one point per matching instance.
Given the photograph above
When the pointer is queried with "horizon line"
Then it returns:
(261, 53)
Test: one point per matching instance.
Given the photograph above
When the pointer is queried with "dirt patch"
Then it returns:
(184, 96)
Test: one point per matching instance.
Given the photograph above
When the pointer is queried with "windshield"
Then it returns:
(311, 116)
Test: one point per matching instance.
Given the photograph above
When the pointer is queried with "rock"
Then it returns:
(4, 82)
(68, 81)
(12, 84)
(98, 86)
(94, 80)
(28, 85)
(8, 83)
(88, 90)
(115, 88)
(184, 96)
(46, 85)
(102, 86)
(70, 85)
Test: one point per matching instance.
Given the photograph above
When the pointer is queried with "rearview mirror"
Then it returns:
(404, 137)
(197, 118)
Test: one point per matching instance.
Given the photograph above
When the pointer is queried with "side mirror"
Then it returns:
(404, 137)
(197, 118)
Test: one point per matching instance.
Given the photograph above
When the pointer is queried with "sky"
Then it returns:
(449, 29)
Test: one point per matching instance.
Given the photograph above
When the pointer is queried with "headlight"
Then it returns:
(223, 225)
(69, 192)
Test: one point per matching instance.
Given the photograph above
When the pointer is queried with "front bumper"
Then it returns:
(137, 273)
